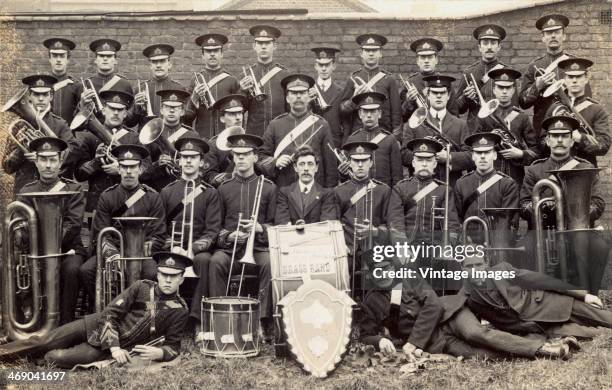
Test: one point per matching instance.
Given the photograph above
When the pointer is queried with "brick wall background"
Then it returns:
(22, 51)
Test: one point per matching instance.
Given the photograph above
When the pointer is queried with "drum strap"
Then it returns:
(294, 133)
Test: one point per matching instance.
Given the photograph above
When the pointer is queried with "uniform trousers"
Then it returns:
(64, 346)
(69, 282)
(218, 272)
(201, 262)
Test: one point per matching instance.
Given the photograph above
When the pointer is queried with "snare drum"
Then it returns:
(230, 327)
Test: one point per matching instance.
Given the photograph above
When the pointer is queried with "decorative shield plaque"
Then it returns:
(317, 320)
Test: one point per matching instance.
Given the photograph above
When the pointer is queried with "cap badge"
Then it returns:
(423, 148)
(157, 51)
(504, 76)
(483, 141)
(170, 262)
(128, 154)
(370, 40)
(106, 46)
(210, 40)
(173, 97)
(40, 83)
(551, 22)
(57, 44)
(322, 54)
(233, 103)
(368, 100)
(241, 142)
(558, 124)
(188, 146)
(490, 31)
(116, 99)
(359, 149)
(263, 33)
(426, 45)
(46, 146)
(575, 66)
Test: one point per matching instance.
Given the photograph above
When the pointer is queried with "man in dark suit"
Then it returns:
(522, 301)
(304, 201)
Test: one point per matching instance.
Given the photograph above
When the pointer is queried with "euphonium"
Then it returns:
(221, 142)
(113, 275)
(29, 273)
(153, 131)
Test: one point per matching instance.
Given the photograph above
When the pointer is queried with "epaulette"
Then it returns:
(284, 114)
(149, 282)
(120, 75)
(71, 77)
(317, 115)
(344, 182)
(280, 66)
(592, 100)
(55, 116)
(147, 188)
(180, 300)
(111, 188)
(385, 71)
(517, 109)
(226, 181)
(378, 182)
(29, 184)
(357, 71)
(190, 128)
(383, 130)
(439, 181)
(500, 173)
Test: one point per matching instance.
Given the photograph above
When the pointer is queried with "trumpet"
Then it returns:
(98, 103)
(113, 275)
(209, 99)
(152, 131)
(358, 82)
(255, 91)
(420, 114)
(36, 272)
(486, 107)
(31, 125)
(188, 201)
(150, 113)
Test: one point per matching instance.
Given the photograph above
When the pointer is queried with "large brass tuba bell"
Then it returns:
(112, 276)
(38, 271)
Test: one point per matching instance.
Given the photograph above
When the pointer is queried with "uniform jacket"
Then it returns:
(237, 195)
(203, 120)
(25, 171)
(454, 129)
(376, 203)
(71, 211)
(87, 167)
(391, 118)
(410, 219)
(282, 125)
(262, 113)
(531, 97)
(539, 170)
(112, 204)
(597, 117)
(206, 216)
(414, 320)
(66, 96)
(140, 112)
(317, 206)
(387, 165)
(99, 81)
(141, 313)
(462, 104)
(522, 130)
(339, 123)
(470, 202)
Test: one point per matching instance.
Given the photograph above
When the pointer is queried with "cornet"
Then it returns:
(84, 113)
(358, 82)
(320, 99)
(486, 107)
(255, 91)
(420, 114)
(209, 99)
(99, 105)
(150, 113)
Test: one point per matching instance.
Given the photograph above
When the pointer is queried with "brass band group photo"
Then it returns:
(243, 209)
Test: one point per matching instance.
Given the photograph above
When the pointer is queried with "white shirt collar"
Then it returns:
(307, 186)
(326, 83)
(437, 114)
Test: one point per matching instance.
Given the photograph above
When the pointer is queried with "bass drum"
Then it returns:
(316, 252)
(230, 327)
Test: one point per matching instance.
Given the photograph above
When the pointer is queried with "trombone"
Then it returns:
(255, 91)
(368, 220)
(248, 257)
(149, 107)
(209, 99)
(420, 114)
(188, 201)
(486, 107)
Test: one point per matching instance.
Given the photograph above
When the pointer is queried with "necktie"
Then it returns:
(322, 86)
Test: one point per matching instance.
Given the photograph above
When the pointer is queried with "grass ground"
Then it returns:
(590, 368)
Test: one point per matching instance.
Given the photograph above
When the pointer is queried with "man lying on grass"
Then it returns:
(143, 312)
(413, 317)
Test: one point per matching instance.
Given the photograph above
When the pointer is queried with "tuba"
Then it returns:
(30, 126)
(38, 271)
(113, 275)
(221, 141)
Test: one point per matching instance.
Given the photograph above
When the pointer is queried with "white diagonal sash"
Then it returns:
(361, 193)
(271, 73)
(510, 117)
(379, 137)
(377, 77)
(177, 134)
(423, 192)
(581, 106)
(293, 134)
(571, 164)
(57, 187)
(131, 201)
(488, 183)
(61, 84)
(553, 65)
(198, 190)
(218, 78)
(110, 83)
